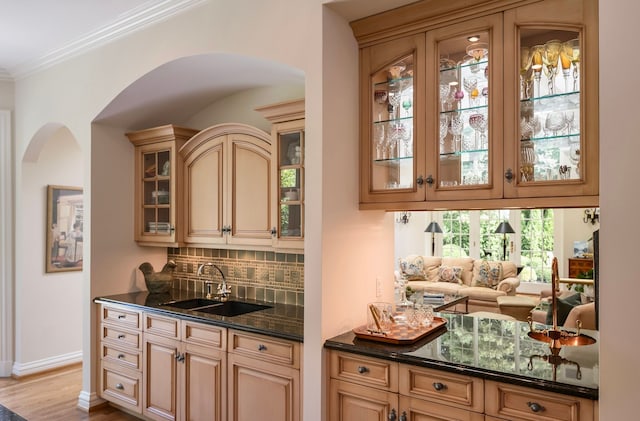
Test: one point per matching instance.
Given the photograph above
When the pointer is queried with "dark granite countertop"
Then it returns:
(491, 349)
(281, 320)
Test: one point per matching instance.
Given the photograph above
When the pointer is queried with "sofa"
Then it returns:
(481, 280)
(571, 308)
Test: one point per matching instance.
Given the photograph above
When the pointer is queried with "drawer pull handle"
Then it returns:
(122, 316)
(121, 336)
(120, 356)
(392, 415)
(439, 386)
(262, 347)
(119, 386)
(535, 407)
(362, 369)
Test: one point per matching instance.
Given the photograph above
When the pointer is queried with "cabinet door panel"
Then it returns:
(259, 390)
(250, 189)
(349, 401)
(204, 385)
(160, 378)
(204, 194)
(420, 410)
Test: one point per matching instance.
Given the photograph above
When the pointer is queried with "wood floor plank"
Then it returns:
(53, 396)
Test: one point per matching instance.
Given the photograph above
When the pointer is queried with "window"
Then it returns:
(455, 240)
(537, 244)
(490, 242)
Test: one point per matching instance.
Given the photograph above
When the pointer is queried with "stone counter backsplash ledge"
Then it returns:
(257, 275)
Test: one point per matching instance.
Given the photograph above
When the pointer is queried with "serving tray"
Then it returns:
(401, 333)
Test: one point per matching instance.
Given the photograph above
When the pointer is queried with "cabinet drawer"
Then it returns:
(524, 404)
(163, 326)
(442, 387)
(121, 337)
(205, 335)
(419, 409)
(364, 370)
(279, 351)
(121, 386)
(122, 357)
(122, 317)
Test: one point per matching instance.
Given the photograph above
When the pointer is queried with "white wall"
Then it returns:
(48, 306)
(6, 95)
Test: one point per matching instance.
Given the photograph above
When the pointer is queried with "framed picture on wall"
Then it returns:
(65, 219)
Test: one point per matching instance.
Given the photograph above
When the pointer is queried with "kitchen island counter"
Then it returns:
(491, 349)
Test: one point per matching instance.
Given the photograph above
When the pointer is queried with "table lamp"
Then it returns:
(433, 228)
(504, 228)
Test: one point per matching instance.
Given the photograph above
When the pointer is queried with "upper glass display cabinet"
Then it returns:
(392, 140)
(549, 126)
(463, 118)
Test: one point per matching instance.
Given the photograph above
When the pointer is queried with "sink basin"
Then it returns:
(232, 308)
(192, 303)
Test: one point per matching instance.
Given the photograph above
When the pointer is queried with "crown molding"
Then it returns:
(135, 20)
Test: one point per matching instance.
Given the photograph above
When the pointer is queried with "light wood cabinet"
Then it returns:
(578, 266)
(121, 357)
(227, 187)
(184, 370)
(288, 175)
(479, 104)
(367, 388)
(158, 190)
(263, 378)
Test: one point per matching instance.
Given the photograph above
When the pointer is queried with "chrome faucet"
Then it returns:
(224, 291)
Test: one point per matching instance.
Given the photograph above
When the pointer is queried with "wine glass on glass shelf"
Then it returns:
(478, 123)
(536, 65)
(444, 128)
(470, 84)
(456, 127)
(525, 72)
(445, 96)
(574, 155)
(554, 122)
(572, 50)
(550, 60)
(379, 132)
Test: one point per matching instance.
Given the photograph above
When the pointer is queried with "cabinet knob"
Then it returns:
(121, 316)
(122, 336)
(508, 175)
(362, 369)
(439, 386)
(535, 407)
(430, 180)
(420, 181)
(119, 386)
(262, 347)
(274, 231)
(392, 415)
(403, 417)
(120, 356)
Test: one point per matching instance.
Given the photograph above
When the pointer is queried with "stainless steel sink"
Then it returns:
(191, 303)
(226, 308)
(233, 308)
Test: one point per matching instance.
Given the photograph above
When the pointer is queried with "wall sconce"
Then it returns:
(591, 215)
(403, 218)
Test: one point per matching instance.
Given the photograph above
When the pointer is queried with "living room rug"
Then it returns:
(8, 415)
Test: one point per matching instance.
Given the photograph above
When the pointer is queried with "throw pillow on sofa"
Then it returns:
(450, 274)
(413, 268)
(564, 307)
(489, 275)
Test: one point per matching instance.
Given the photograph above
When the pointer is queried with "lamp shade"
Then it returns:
(504, 228)
(433, 227)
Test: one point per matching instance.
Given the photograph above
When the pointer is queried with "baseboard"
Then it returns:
(89, 401)
(47, 364)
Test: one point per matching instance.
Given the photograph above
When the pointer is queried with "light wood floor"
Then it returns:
(53, 396)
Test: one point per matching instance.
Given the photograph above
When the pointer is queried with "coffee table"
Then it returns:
(451, 301)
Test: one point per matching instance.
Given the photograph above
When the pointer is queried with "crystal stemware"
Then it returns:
(536, 65)
(406, 138)
(478, 122)
(395, 99)
(380, 139)
(528, 159)
(444, 127)
(550, 60)
(445, 96)
(470, 85)
(456, 127)
(406, 106)
(554, 122)
(574, 155)
(525, 71)
(572, 50)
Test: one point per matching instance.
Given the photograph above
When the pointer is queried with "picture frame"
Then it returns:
(65, 219)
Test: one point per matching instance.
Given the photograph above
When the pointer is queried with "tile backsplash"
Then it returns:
(259, 275)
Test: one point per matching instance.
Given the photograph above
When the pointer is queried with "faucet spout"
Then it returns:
(224, 291)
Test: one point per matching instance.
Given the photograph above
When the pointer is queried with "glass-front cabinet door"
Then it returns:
(393, 140)
(290, 182)
(554, 138)
(467, 103)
